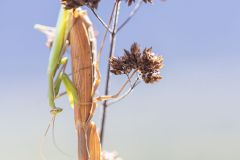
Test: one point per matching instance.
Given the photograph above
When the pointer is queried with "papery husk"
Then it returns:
(83, 77)
(94, 142)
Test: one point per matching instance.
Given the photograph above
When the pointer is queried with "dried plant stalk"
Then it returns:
(83, 78)
(94, 142)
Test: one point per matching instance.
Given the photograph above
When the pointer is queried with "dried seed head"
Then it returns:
(151, 77)
(93, 3)
(129, 2)
(127, 62)
(146, 63)
(70, 4)
(135, 48)
(150, 66)
(147, 1)
(117, 66)
(73, 4)
(150, 62)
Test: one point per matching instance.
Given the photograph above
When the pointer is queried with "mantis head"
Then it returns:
(55, 111)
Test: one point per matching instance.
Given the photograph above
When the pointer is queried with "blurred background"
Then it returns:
(191, 114)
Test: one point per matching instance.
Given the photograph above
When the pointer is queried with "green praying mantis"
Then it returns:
(57, 61)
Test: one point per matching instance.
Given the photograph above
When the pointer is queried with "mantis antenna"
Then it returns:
(55, 143)
(52, 122)
(43, 139)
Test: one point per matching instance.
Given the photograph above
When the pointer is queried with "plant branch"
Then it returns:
(112, 50)
(105, 35)
(106, 97)
(125, 94)
(101, 20)
(129, 80)
(131, 15)
(124, 85)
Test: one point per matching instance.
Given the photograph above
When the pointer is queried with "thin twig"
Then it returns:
(124, 85)
(101, 20)
(115, 30)
(107, 97)
(112, 50)
(131, 15)
(125, 94)
(105, 34)
(130, 82)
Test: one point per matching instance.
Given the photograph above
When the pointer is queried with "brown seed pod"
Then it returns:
(129, 2)
(73, 4)
(146, 63)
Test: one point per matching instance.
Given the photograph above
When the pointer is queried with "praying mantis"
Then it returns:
(75, 29)
(57, 63)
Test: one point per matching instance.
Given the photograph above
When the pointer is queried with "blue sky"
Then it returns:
(193, 113)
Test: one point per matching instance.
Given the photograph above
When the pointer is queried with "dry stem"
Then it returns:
(112, 49)
(114, 32)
